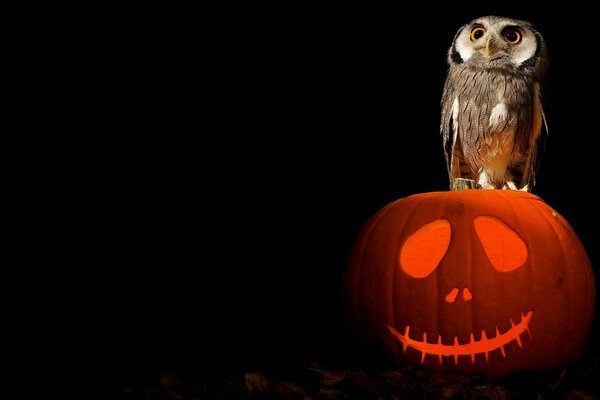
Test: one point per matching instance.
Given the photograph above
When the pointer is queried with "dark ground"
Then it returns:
(223, 222)
(314, 381)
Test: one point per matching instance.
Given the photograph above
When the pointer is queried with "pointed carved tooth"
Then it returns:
(483, 336)
(439, 339)
(528, 332)
(487, 357)
(473, 358)
(497, 332)
(455, 355)
(472, 338)
(440, 358)
(424, 337)
(522, 316)
(519, 341)
(502, 350)
(405, 342)
(512, 324)
(422, 357)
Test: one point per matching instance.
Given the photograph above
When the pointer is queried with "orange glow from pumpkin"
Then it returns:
(425, 248)
(481, 346)
(552, 277)
(503, 246)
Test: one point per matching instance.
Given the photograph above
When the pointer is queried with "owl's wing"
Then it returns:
(449, 127)
(538, 126)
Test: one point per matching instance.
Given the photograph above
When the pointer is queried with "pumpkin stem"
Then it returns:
(462, 184)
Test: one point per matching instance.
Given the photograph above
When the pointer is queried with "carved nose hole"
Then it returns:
(450, 297)
(467, 295)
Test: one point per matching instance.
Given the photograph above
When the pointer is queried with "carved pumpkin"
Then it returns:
(491, 281)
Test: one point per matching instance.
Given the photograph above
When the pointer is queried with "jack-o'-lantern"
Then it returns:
(491, 281)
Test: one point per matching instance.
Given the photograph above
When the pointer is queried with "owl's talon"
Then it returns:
(511, 185)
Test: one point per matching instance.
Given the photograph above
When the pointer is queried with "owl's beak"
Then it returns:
(492, 46)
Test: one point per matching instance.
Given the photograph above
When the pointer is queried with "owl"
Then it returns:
(492, 112)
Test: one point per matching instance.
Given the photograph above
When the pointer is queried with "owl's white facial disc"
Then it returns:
(526, 49)
(463, 44)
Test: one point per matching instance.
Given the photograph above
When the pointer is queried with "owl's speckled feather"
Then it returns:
(491, 109)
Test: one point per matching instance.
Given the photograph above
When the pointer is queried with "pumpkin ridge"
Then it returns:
(364, 239)
(399, 246)
(568, 231)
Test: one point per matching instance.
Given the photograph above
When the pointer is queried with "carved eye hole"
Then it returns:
(503, 246)
(424, 249)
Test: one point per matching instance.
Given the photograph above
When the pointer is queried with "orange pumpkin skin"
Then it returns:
(449, 265)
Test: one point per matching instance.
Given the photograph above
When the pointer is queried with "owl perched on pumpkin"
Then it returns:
(492, 113)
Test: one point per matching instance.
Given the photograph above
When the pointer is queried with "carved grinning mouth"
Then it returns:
(483, 345)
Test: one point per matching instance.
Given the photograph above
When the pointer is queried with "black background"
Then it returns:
(276, 133)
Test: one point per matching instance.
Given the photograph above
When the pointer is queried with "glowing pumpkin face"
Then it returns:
(473, 280)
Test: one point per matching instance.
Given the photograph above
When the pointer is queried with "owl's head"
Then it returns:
(501, 43)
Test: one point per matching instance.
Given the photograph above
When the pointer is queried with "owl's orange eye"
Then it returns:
(477, 33)
(512, 36)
